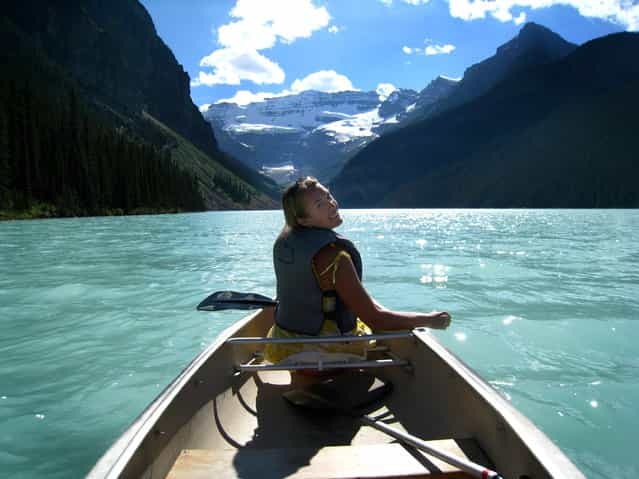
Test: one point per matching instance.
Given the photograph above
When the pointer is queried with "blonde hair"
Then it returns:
(293, 200)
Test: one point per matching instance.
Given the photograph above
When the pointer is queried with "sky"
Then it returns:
(246, 50)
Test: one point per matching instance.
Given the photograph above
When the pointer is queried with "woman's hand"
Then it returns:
(437, 320)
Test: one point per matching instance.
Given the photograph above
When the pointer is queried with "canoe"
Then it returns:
(224, 416)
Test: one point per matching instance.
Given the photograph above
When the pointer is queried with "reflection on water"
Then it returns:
(97, 316)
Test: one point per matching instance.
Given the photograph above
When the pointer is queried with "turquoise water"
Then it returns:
(97, 316)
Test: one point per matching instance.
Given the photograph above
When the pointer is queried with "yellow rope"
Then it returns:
(335, 264)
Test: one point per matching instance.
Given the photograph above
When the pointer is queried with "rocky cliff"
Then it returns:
(113, 51)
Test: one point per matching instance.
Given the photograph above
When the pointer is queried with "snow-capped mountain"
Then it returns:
(426, 101)
(310, 133)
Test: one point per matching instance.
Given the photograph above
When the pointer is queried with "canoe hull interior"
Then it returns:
(241, 419)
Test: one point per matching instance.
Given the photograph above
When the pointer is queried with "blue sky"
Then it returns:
(258, 47)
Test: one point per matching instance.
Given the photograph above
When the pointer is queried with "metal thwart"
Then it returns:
(321, 364)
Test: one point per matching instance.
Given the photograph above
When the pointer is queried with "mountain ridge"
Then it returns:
(311, 132)
(533, 45)
(522, 106)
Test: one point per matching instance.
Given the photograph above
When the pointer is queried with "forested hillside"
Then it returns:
(57, 159)
(97, 119)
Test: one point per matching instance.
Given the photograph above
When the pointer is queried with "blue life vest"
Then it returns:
(300, 298)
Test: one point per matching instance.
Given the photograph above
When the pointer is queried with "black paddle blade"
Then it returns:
(221, 300)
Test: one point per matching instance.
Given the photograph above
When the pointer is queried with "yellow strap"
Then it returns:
(335, 264)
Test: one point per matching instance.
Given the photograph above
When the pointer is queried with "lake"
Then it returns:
(97, 315)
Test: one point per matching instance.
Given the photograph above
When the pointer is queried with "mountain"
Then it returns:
(318, 133)
(559, 134)
(427, 101)
(397, 102)
(112, 57)
(534, 45)
(310, 133)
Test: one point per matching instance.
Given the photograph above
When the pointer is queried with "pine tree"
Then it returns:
(26, 126)
(5, 170)
(54, 149)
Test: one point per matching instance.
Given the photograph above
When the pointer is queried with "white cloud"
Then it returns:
(334, 29)
(431, 49)
(622, 12)
(204, 107)
(325, 80)
(384, 90)
(388, 3)
(520, 19)
(231, 66)
(246, 35)
(244, 97)
(439, 49)
(259, 26)
(286, 19)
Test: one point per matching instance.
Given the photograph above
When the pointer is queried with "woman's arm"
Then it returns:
(352, 292)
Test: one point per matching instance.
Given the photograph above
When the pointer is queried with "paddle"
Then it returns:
(221, 300)
(306, 398)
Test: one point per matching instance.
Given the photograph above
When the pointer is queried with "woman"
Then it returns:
(319, 276)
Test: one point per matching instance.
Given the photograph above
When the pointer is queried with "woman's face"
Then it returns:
(321, 209)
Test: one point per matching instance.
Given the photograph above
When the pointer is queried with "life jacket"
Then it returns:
(300, 299)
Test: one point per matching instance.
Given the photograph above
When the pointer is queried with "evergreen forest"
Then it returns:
(58, 158)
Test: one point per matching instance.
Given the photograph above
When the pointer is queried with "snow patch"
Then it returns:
(356, 126)
(279, 169)
(260, 128)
